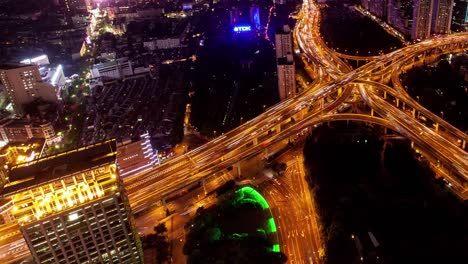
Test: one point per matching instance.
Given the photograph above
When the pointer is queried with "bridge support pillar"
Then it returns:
(436, 125)
(303, 112)
(203, 181)
(414, 113)
(239, 172)
(265, 153)
(372, 112)
(397, 102)
(463, 144)
(278, 128)
(385, 95)
(322, 102)
(403, 105)
(340, 91)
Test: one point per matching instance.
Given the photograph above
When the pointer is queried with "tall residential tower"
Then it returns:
(23, 83)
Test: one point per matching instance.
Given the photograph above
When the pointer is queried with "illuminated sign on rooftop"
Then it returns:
(242, 28)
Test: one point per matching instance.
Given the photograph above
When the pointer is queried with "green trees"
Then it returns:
(231, 232)
(159, 242)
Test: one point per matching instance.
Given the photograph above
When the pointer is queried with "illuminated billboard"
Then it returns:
(244, 28)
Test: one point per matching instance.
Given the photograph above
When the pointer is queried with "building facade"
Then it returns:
(23, 84)
(72, 208)
(442, 16)
(135, 157)
(422, 19)
(116, 69)
(417, 19)
(286, 77)
(283, 42)
(22, 130)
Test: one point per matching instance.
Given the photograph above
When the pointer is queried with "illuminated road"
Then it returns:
(232, 146)
(316, 105)
(12, 244)
(292, 207)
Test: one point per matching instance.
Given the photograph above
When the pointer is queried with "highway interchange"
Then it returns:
(338, 82)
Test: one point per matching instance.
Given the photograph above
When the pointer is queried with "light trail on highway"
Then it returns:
(322, 100)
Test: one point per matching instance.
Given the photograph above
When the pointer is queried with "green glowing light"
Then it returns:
(271, 225)
(238, 236)
(276, 248)
(247, 190)
(248, 193)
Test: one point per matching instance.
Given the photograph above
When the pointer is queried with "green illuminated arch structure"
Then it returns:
(250, 194)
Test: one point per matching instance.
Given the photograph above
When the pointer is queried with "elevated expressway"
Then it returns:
(442, 144)
(447, 135)
(314, 106)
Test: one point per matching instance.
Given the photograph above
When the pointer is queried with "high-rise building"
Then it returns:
(415, 18)
(115, 69)
(23, 130)
(283, 42)
(460, 15)
(400, 15)
(441, 16)
(286, 77)
(72, 207)
(285, 63)
(378, 8)
(422, 12)
(135, 157)
(235, 15)
(23, 83)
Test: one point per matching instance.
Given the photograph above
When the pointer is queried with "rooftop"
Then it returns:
(9, 66)
(52, 168)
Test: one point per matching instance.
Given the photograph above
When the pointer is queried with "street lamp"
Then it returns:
(442, 114)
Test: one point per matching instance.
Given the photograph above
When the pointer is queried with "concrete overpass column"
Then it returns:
(436, 125)
(397, 102)
(403, 105)
(372, 112)
(463, 144)
(340, 91)
(265, 153)
(303, 112)
(278, 128)
(385, 95)
(322, 102)
(238, 165)
(203, 181)
(255, 141)
(414, 112)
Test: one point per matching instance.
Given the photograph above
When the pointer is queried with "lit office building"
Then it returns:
(422, 12)
(283, 42)
(400, 15)
(115, 69)
(286, 77)
(441, 16)
(39, 60)
(135, 157)
(72, 208)
(23, 83)
(378, 8)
